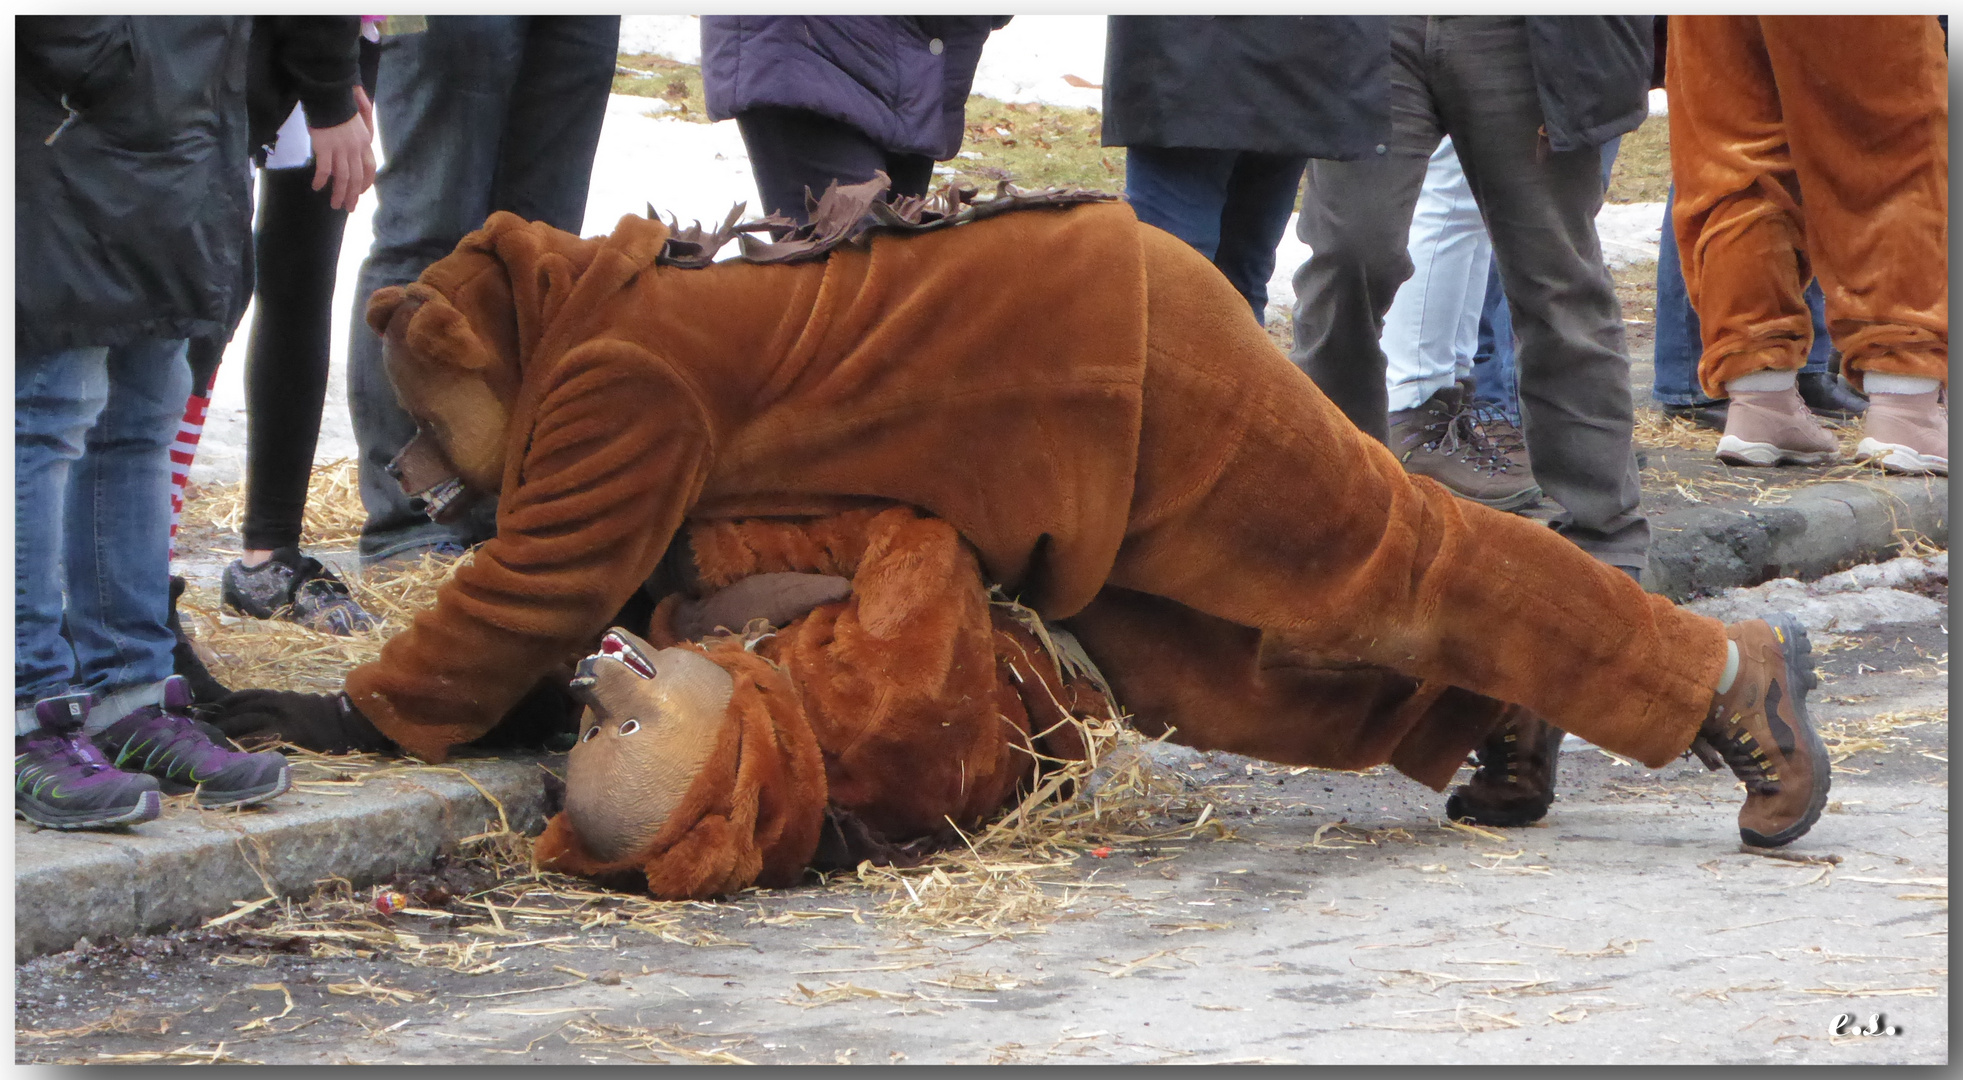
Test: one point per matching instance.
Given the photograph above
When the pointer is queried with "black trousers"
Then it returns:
(792, 150)
(296, 248)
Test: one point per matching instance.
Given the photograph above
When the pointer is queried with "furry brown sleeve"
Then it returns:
(589, 505)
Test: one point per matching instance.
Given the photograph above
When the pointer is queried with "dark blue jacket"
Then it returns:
(901, 79)
(132, 202)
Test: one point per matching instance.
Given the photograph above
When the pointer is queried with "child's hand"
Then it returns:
(344, 153)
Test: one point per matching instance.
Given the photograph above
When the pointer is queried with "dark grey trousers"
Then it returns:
(1470, 77)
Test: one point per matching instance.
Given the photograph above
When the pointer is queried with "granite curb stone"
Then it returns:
(190, 866)
(1821, 529)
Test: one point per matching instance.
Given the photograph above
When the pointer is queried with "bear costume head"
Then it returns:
(694, 770)
(457, 341)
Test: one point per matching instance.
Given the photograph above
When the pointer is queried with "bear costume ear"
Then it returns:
(382, 305)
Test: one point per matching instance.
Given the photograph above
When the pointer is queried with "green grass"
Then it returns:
(1642, 165)
(680, 85)
(1036, 146)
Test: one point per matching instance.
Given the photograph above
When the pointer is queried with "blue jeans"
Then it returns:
(479, 113)
(1230, 205)
(93, 428)
(1679, 339)
(1494, 378)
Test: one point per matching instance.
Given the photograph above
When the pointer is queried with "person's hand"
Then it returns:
(328, 723)
(345, 154)
(775, 598)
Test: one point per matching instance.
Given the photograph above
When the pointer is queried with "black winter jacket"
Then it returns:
(1279, 84)
(1315, 84)
(310, 59)
(132, 210)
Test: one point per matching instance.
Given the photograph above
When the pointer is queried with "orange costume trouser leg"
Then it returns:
(1257, 502)
(1812, 145)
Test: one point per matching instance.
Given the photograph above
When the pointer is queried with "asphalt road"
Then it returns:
(1329, 918)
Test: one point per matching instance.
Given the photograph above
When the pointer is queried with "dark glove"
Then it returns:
(325, 722)
(777, 599)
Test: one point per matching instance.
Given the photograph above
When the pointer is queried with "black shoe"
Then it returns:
(1827, 396)
(205, 689)
(296, 588)
(1514, 784)
(1709, 415)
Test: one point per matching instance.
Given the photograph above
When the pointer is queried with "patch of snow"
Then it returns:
(1852, 600)
(1026, 61)
(677, 37)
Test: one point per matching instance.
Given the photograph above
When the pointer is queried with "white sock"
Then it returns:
(1759, 382)
(1730, 667)
(1881, 382)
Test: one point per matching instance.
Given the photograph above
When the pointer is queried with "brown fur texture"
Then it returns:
(1802, 145)
(926, 708)
(1082, 398)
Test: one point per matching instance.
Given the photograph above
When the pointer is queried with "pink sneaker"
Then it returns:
(1908, 433)
(1774, 427)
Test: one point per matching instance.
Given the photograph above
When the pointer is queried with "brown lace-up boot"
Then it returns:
(1514, 784)
(1760, 728)
(1440, 439)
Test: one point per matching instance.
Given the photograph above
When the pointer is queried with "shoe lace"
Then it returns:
(311, 572)
(1740, 750)
(1459, 434)
(80, 751)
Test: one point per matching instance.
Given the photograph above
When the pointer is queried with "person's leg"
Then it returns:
(1305, 527)
(1495, 377)
(793, 151)
(1678, 336)
(440, 102)
(1181, 190)
(1426, 326)
(1260, 196)
(552, 126)
(296, 248)
(297, 244)
(116, 532)
(57, 399)
(911, 174)
(1540, 209)
(1866, 110)
(204, 355)
(1356, 219)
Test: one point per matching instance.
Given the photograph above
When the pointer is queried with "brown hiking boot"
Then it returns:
(1439, 439)
(1909, 433)
(1773, 427)
(1760, 729)
(1514, 784)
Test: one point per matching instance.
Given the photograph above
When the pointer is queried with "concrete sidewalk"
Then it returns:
(189, 866)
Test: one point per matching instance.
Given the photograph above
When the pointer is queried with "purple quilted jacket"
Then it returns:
(901, 79)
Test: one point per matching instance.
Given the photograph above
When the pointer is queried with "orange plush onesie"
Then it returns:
(1080, 397)
(1806, 144)
(912, 705)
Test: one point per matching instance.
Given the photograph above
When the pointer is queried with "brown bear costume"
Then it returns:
(1083, 401)
(912, 705)
(1079, 396)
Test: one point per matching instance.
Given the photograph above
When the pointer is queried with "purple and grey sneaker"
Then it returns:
(166, 743)
(62, 781)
